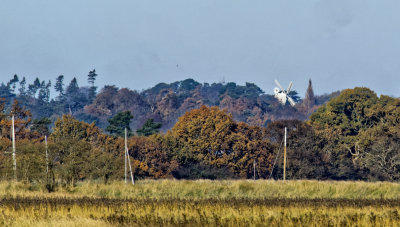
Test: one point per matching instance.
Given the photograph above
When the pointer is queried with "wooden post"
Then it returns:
(126, 148)
(13, 148)
(130, 167)
(127, 158)
(284, 158)
(47, 156)
(254, 169)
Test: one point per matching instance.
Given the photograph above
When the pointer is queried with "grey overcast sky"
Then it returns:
(137, 44)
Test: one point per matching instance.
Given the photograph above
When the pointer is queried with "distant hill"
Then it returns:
(164, 103)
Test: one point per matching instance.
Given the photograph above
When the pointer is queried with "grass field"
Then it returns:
(203, 203)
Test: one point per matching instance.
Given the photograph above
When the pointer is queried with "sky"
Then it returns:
(136, 44)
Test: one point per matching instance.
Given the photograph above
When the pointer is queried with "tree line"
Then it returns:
(354, 136)
(36, 96)
(164, 103)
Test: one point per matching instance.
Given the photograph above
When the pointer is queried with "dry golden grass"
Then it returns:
(203, 203)
(205, 189)
(57, 222)
(225, 189)
(171, 212)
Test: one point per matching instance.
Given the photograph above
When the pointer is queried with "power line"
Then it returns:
(273, 166)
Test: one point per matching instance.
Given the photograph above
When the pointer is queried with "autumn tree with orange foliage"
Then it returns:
(26, 158)
(210, 137)
(150, 160)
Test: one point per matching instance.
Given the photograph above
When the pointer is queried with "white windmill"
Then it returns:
(283, 95)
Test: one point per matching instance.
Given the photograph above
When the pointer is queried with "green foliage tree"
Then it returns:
(149, 128)
(189, 84)
(41, 126)
(12, 83)
(30, 162)
(81, 151)
(44, 92)
(70, 149)
(22, 87)
(70, 159)
(346, 113)
(5, 92)
(73, 87)
(59, 86)
(33, 88)
(305, 159)
(378, 146)
(119, 122)
(91, 79)
(75, 100)
(341, 124)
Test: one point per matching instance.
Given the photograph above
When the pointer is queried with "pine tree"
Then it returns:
(42, 91)
(48, 86)
(119, 122)
(91, 78)
(22, 87)
(33, 88)
(5, 91)
(59, 86)
(75, 97)
(12, 83)
(72, 87)
(149, 128)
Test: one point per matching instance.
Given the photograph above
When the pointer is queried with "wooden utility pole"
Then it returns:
(284, 157)
(254, 169)
(13, 148)
(127, 158)
(126, 148)
(47, 156)
(130, 167)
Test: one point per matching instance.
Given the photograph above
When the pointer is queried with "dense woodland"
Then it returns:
(190, 130)
(164, 103)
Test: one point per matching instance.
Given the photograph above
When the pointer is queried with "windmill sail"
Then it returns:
(291, 101)
(283, 95)
(279, 85)
(290, 87)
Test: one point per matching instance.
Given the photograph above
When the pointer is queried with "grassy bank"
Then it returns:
(207, 189)
(203, 203)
